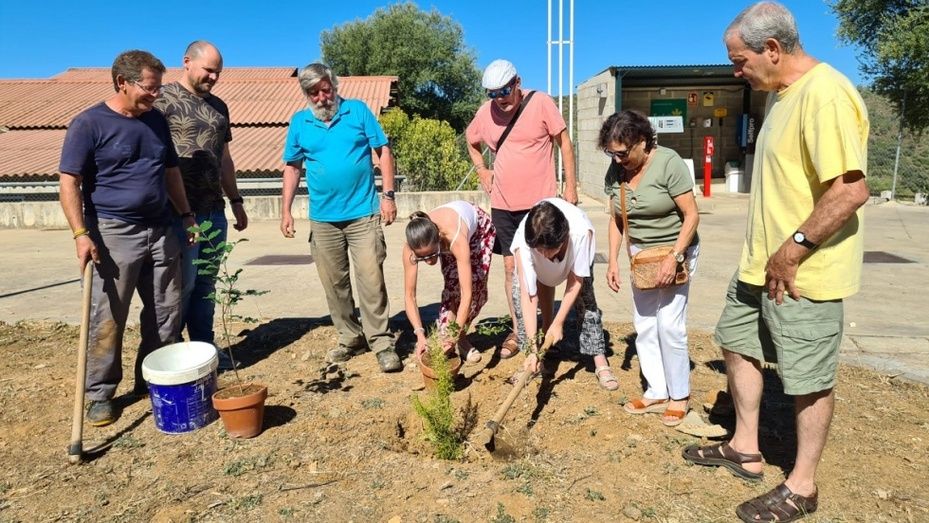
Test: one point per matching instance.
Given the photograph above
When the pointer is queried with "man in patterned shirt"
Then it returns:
(200, 128)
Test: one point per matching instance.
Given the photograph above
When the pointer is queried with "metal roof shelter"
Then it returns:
(628, 76)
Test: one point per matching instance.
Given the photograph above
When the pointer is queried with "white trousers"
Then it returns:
(661, 342)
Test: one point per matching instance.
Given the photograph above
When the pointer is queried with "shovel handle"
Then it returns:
(487, 435)
(77, 418)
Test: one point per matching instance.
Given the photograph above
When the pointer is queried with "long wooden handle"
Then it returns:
(77, 418)
(487, 435)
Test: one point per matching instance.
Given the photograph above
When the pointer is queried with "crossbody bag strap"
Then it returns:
(622, 206)
(519, 111)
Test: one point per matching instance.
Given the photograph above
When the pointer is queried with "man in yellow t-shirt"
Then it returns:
(802, 253)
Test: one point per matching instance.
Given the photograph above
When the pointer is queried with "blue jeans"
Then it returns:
(196, 308)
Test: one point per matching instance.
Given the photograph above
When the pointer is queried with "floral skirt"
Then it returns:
(481, 247)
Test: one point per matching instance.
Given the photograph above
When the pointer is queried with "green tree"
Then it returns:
(882, 144)
(894, 39)
(437, 74)
(427, 152)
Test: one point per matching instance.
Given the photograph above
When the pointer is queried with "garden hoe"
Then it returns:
(486, 436)
(77, 421)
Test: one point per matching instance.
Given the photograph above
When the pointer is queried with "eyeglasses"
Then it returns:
(617, 155)
(152, 91)
(416, 259)
(620, 155)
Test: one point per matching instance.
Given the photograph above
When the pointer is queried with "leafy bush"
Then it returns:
(437, 411)
(427, 152)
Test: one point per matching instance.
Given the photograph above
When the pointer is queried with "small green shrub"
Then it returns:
(436, 409)
(502, 516)
(426, 152)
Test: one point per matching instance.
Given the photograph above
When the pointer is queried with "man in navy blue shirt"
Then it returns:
(118, 171)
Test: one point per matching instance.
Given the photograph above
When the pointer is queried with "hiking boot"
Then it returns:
(101, 413)
(389, 361)
(342, 354)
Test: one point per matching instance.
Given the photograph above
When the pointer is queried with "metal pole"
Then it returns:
(893, 187)
(559, 171)
(548, 46)
(571, 85)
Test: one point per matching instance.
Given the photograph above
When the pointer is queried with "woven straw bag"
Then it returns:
(645, 264)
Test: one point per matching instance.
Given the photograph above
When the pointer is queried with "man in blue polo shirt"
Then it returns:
(334, 138)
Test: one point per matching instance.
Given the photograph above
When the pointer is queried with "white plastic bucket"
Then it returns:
(181, 381)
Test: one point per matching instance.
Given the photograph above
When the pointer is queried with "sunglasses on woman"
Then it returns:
(416, 259)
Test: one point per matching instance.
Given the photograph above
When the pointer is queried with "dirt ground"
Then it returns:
(341, 443)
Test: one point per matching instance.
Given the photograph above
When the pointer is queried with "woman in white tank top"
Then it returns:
(461, 236)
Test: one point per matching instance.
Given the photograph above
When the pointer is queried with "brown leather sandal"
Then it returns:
(779, 504)
(722, 455)
(509, 347)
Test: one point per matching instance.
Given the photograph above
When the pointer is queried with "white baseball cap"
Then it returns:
(498, 74)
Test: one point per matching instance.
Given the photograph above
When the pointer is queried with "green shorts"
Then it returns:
(801, 337)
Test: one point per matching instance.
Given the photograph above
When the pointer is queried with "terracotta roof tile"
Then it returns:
(261, 101)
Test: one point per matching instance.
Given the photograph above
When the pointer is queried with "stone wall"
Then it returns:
(48, 215)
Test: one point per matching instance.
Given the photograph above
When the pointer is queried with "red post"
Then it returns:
(707, 164)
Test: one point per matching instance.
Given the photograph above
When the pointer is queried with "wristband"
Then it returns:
(188, 214)
(237, 200)
(417, 330)
(81, 232)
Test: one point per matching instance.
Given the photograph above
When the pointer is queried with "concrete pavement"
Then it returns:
(887, 326)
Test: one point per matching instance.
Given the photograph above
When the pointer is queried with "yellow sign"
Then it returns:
(720, 112)
(709, 99)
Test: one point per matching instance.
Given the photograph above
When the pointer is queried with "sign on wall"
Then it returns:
(709, 98)
(667, 124)
(669, 107)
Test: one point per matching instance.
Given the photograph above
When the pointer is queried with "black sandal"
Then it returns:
(779, 504)
(722, 455)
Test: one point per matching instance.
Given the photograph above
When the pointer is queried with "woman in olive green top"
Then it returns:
(661, 210)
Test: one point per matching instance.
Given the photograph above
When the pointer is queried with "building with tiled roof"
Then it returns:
(35, 113)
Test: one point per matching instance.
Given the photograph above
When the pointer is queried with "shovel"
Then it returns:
(486, 436)
(77, 420)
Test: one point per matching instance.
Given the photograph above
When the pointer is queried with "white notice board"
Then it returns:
(667, 124)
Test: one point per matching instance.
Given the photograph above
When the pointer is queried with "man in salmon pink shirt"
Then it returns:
(523, 171)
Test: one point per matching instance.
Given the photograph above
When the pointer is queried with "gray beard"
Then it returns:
(325, 113)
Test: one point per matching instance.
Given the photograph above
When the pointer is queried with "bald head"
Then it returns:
(202, 66)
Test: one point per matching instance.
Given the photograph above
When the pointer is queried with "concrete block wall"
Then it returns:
(595, 103)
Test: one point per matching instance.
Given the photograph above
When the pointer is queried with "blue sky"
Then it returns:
(42, 38)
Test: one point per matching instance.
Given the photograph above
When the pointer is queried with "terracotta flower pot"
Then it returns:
(242, 409)
(429, 376)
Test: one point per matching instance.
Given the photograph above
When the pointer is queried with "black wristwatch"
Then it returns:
(800, 238)
(389, 195)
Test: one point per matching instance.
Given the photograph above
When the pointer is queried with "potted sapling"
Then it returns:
(241, 405)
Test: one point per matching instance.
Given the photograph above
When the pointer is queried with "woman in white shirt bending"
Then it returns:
(555, 244)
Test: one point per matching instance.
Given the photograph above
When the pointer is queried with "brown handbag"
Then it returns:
(644, 266)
